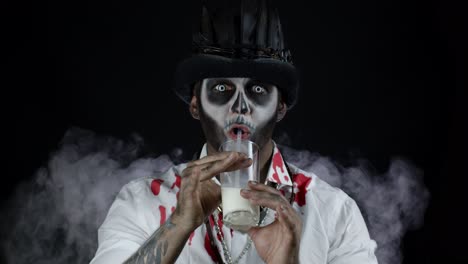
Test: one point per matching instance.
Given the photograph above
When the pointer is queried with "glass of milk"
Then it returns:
(238, 213)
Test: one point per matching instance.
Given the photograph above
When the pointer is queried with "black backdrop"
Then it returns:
(379, 79)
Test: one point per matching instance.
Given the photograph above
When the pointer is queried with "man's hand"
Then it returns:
(278, 242)
(198, 195)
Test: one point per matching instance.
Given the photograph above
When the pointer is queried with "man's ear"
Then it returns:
(193, 108)
(282, 109)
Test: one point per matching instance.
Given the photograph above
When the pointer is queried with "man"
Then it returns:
(239, 80)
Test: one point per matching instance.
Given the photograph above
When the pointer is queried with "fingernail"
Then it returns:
(245, 190)
(253, 182)
(247, 161)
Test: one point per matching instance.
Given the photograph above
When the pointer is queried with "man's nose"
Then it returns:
(240, 106)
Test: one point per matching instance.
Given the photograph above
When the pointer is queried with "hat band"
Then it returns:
(244, 52)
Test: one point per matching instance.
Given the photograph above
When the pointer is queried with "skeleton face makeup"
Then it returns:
(237, 105)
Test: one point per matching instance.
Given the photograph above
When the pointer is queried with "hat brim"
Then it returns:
(198, 67)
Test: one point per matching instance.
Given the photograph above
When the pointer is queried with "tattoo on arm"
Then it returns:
(155, 249)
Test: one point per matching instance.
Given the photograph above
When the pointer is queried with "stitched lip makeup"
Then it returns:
(239, 126)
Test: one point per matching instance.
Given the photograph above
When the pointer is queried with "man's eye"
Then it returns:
(258, 89)
(220, 88)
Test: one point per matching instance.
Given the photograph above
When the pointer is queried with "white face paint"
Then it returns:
(238, 105)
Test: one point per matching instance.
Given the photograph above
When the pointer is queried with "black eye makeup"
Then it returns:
(258, 89)
(220, 88)
(259, 93)
(219, 91)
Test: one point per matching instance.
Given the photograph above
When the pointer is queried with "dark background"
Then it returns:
(380, 79)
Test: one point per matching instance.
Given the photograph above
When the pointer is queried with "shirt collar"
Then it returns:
(277, 173)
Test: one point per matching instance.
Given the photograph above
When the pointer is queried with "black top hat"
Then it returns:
(239, 39)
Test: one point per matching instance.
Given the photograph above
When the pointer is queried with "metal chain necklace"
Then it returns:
(248, 245)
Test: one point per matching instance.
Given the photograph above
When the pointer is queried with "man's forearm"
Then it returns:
(164, 246)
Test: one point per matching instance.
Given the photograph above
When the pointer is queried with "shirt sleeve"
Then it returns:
(352, 244)
(121, 234)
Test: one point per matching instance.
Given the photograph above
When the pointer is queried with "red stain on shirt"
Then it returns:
(162, 211)
(191, 237)
(172, 209)
(211, 221)
(277, 161)
(176, 183)
(213, 251)
(156, 186)
(208, 248)
(301, 182)
(220, 225)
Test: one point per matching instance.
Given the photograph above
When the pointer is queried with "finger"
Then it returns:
(228, 164)
(253, 232)
(263, 187)
(289, 218)
(238, 164)
(207, 166)
(264, 198)
(211, 186)
(194, 179)
(208, 169)
(285, 216)
(212, 190)
(285, 219)
(215, 157)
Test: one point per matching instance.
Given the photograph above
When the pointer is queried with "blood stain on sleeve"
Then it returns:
(191, 237)
(176, 183)
(162, 211)
(156, 186)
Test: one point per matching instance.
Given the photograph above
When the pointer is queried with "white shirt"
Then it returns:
(333, 232)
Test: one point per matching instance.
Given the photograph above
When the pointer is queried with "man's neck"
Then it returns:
(264, 158)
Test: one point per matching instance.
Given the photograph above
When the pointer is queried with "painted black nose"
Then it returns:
(240, 105)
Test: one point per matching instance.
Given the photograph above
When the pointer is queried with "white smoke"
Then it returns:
(54, 218)
(392, 202)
